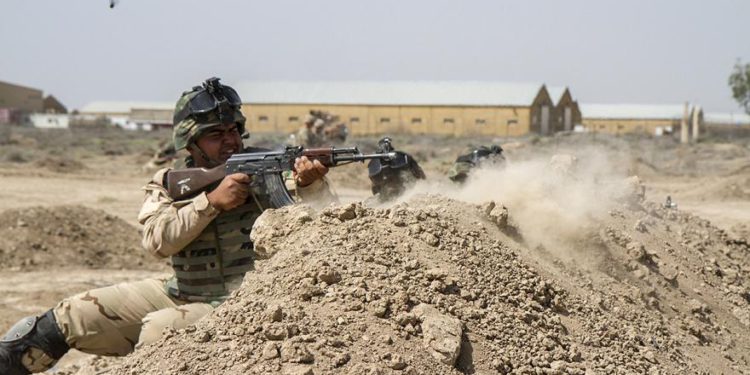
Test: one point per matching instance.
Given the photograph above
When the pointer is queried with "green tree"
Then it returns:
(739, 81)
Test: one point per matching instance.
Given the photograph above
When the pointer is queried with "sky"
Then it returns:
(606, 51)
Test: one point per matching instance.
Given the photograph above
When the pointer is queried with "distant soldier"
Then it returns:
(320, 129)
(478, 157)
(164, 155)
(307, 135)
(391, 178)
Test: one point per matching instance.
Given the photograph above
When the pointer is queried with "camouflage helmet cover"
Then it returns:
(186, 130)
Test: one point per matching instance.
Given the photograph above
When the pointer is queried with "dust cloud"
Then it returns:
(554, 202)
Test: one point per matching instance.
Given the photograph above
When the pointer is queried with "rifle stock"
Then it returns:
(183, 183)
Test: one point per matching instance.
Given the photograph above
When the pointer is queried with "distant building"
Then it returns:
(128, 115)
(20, 98)
(447, 108)
(632, 118)
(567, 114)
(49, 120)
(727, 119)
(52, 105)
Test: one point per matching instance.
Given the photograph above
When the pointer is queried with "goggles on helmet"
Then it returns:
(209, 101)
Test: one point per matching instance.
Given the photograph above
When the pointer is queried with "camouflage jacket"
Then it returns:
(169, 226)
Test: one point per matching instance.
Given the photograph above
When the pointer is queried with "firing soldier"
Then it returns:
(206, 237)
(480, 156)
(390, 178)
(310, 133)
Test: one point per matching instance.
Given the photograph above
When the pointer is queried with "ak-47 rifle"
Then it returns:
(265, 168)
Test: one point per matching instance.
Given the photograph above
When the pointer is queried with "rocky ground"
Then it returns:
(39, 238)
(433, 285)
(529, 269)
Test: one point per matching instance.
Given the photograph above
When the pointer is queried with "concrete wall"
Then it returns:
(367, 120)
(624, 126)
(156, 116)
(20, 98)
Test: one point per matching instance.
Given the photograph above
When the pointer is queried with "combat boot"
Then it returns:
(34, 344)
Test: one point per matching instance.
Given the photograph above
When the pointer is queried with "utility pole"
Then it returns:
(696, 122)
(684, 131)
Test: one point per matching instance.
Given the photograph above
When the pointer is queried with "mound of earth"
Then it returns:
(69, 236)
(61, 164)
(439, 286)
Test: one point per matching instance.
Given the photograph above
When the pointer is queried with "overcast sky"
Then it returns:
(606, 51)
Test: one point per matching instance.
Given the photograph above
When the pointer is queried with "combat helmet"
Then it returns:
(204, 107)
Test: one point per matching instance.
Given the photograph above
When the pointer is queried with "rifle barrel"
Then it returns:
(363, 157)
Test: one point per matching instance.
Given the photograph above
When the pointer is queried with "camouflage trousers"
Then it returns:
(117, 319)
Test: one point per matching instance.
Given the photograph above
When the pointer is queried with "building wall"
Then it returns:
(541, 104)
(368, 120)
(157, 116)
(559, 114)
(624, 126)
(20, 98)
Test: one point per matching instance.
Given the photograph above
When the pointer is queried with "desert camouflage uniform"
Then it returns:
(210, 252)
(306, 136)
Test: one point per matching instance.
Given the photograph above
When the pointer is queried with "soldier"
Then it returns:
(391, 178)
(164, 155)
(206, 237)
(308, 135)
(479, 156)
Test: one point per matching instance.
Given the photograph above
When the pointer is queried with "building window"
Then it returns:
(385, 120)
(416, 120)
(480, 122)
(448, 121)
(263, 118)
(293, 118)
(354, 119)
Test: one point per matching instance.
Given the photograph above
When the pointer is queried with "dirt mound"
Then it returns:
(438, 286)
(61, 164)
(69, 236)
(730, 188)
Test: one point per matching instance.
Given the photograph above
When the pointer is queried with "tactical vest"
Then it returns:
(211, 266)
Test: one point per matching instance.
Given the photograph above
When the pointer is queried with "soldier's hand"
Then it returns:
(231, 192)
(306, 172)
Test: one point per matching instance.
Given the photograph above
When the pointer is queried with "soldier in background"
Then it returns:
(162, 158)
(307, 136)
(321, 129)
(480, 156)
(390, 178)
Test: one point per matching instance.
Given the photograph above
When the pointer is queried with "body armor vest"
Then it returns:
(211, 266)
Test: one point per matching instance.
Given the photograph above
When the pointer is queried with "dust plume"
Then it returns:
(553, 202)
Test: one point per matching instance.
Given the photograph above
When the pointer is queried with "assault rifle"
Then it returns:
(265, 168)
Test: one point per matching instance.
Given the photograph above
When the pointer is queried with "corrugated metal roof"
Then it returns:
(123, 107)
(463, 93)
(727, 118)
(632, 111)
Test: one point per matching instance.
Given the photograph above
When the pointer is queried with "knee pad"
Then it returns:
(34, 344)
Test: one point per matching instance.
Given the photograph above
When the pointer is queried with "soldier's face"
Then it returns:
(220, 142)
